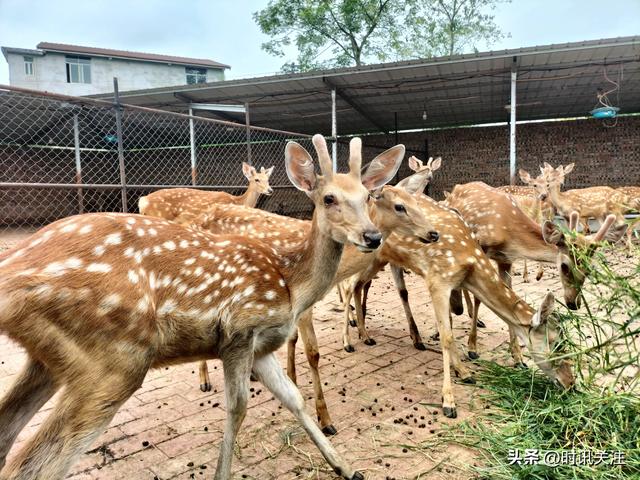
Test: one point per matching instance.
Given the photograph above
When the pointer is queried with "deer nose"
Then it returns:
(372, 239)
(270, 190)
(433, 237)
(572, 306)
(543, 196)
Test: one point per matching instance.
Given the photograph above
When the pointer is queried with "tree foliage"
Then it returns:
(344, 33)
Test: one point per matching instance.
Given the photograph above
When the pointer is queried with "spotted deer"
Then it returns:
(98, 299)
(505, 233)
(184, 204)
(395, 210)
(537, 210)
(415, 184)
(633, 206)
(592, 202)
(457, 261)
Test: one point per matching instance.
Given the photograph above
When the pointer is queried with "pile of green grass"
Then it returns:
(524, 410)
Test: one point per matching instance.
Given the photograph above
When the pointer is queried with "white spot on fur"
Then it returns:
(99, 267)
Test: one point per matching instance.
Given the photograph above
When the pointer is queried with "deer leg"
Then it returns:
(205, 381)
(270, 374)
(525, 272)
(32, 389)
(308, 334)
(540, 271)
(365, 295)
(398, 279)
(82, 413)
(236, 362)
(473, 334)
(291, 356)
(346, 341)
(346, 305)
(362, 331)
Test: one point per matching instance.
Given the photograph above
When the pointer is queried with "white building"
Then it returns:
(76, 70)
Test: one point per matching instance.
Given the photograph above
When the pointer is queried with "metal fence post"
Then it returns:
(247, 122)
(192, 138)
(76, 144)
(123, 175)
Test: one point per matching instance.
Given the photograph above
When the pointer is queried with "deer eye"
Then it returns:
(329, 199)
(565, 269)
(258, 180)
(399, 208)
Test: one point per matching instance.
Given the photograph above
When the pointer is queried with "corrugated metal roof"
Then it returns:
(554, 81)
(150, 57)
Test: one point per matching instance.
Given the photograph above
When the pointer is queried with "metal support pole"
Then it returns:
(76, 144)
(512, 130)
(123, 176)
(247, 122)
(192, 138)
(396, 140)
(334, 131)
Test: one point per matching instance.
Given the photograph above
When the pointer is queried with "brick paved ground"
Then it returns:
(171, 430)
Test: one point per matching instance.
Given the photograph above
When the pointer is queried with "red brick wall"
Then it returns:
(603, 156)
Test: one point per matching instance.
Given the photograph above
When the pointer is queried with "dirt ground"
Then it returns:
(171, 430)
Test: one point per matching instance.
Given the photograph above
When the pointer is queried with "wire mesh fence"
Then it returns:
(61, 156)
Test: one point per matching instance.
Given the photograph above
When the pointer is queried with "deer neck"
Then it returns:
(310, 267)
(560, 200)
(250, 197)
(529, 242)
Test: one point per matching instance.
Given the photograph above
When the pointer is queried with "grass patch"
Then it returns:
(525, 411)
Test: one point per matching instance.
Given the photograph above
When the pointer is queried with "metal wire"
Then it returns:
(59, 156)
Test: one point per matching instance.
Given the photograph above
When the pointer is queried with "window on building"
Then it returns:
(28, 66)
(196, 75)
(78, 69)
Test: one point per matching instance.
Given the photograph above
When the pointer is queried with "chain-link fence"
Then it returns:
(61, 155)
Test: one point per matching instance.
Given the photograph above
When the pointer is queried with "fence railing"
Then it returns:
(62, 155)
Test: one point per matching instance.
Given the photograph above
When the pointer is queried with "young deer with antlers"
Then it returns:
(456, 261)
(96, 300)
(393, 211)
(184, 204)
(505, 233)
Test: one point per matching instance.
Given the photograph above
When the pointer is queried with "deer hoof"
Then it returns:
(450, 412)
(473, 355)
(205, 387)
(353, 323)
(481, 324)
(522, 365)
(369, 341)
(420, 346)
(329, 430)
(357, 476)
(349, 348)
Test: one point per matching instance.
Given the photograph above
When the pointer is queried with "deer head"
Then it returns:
(341, 198)
(570, 265)
(417, 182)
(258, 179)
(542, 337)
(397, 210)
(548, 179)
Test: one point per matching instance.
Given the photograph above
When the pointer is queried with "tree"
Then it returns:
(450, 27)
(350, 32)
(343, 33)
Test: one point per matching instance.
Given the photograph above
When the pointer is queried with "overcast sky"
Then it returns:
(224, 30)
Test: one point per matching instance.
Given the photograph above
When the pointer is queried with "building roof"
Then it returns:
(147, 57)
(20, 51)
(553, 81)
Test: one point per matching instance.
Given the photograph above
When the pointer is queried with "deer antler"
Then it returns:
(324, 159)
(573, 220)
(355, 156)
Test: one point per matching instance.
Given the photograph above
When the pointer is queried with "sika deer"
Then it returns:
(456, 261)
(397, 213)
(96, 300)
(184, 204)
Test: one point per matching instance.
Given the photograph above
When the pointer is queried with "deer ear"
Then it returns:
(299, 165)
(248, 170)
(414, 164)
(568, 168)
(411, 184)
(552, 234)
(615, 233)
(437, 163)
(524, 176)
(269, 171)
(383, 168)
(542, 314)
